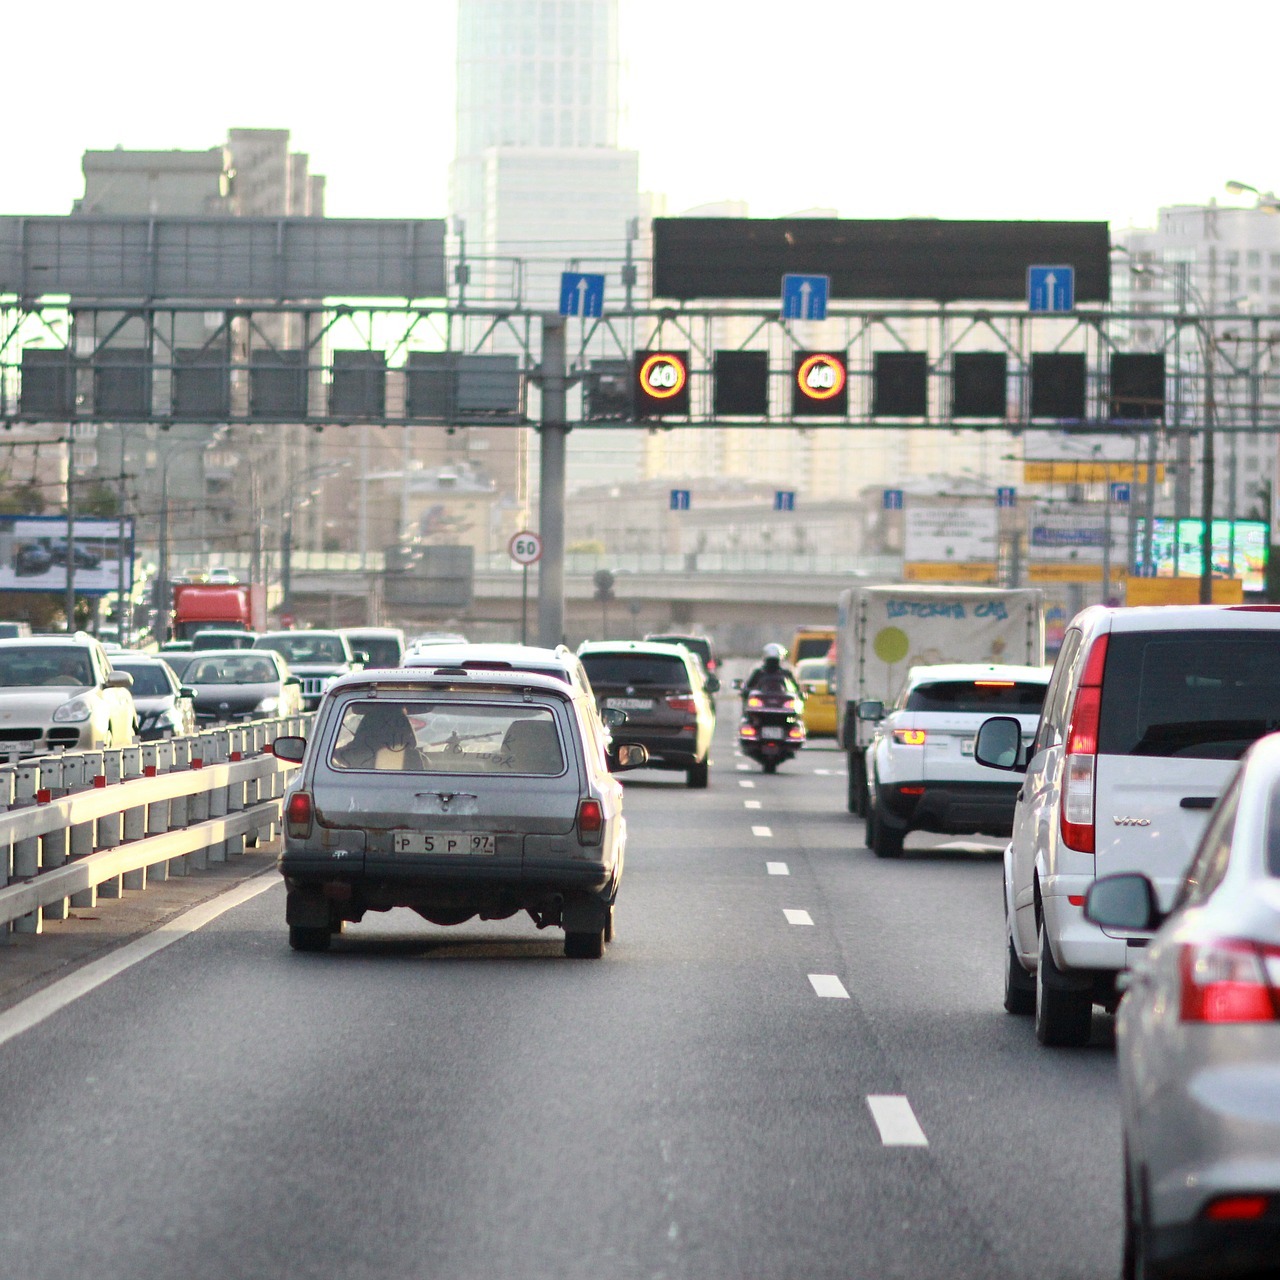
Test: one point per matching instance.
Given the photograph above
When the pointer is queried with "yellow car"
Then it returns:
(819, 715)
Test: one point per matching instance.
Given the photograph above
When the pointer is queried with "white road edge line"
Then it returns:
(896, 1121)
(35, 1009)
(765, 833)
(795, 916)
(777, 868)
(829, 987)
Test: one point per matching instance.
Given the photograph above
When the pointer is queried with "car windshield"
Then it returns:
(179, 662)
(304, 648)
(452, 737)
(231, 670)
(150, 680)
(813, 669)
(636, 668)
(986, 697)
(693, 643)
(813, 647)
(25, 666)
(1205, 695)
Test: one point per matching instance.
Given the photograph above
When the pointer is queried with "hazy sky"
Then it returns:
(973, 109)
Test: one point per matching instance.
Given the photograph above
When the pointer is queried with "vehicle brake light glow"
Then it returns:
(796, 731)
(911, 791)
(687, 705)
(298, 815)
(590, 822)
(993, 684)
(910, 737)
(748, 731)
(1224, 981)
(1236, 1209)
(1082, 747)
(755, 702)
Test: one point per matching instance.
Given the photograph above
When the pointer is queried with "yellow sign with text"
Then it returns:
(945, 571)
(1066, 571)
(1180, 591)
(1087, 472)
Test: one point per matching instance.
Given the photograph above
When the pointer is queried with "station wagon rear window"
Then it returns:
(447, 737)
(989, 697)
(636, 668)
(1205, 695)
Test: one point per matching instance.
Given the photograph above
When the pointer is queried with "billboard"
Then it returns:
(33, 554)
(1176, 549)
(926, 259)
(951, 535)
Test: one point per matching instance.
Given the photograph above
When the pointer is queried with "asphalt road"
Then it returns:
(769, 1075)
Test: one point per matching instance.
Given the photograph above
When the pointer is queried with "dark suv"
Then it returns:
(703, 646)
(666, 694)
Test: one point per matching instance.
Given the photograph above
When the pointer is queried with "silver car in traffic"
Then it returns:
(456, 794)
(1198, 1035)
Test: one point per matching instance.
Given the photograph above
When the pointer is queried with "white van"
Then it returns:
(1146, 715)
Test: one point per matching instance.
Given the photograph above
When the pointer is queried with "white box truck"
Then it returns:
(884, 631)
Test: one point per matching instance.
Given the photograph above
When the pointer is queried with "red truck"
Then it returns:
(198, 606)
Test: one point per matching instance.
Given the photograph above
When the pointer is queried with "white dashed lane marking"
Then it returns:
(765, 833)
(751, 804)
(829, 987)
(777, 868)
(742, 768)
(797, 917)
(745, 782)
(896, 1121)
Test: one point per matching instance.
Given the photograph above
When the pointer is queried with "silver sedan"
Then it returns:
(1198, 1036)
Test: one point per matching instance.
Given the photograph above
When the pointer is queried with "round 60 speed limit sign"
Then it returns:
(525, 547)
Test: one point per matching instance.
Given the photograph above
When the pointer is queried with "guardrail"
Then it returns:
(90, 824)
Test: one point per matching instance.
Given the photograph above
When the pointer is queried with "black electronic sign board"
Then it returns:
(741, 384)
(661, 386)
(900, 384)
(819, 384)
(905, 259)
(979, 384)
(1137, 385)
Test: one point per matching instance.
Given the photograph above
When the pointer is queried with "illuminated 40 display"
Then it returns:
(661, 384)
(819, 384)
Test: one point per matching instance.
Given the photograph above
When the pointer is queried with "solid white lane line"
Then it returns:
(828, 986)
(751, 804)
(777, 868)
(797, 917)
(896, 1121)
(823, 773)
(35, 1009)
(765, 833)
(745, 782)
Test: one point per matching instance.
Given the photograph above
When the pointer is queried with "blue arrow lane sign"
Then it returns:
(784, 500)
(893, 499)
(1051, 288)
(581, 294)
(805, 297)
(1006, 496)
(1119, 492)
(680, 499)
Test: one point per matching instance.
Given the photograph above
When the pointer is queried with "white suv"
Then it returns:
(921, 774)
(1146, 715)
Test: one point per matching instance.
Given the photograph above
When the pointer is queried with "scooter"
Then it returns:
(771, 729)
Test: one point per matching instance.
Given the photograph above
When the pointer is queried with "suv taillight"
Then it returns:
(1080, 767)
(590, 822)
(1227, 981)
(297, 815)
(679, 702)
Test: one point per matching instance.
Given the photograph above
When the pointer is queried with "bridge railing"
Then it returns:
(87, 825)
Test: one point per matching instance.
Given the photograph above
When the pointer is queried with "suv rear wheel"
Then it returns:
(1064, 1017)
(886, 840)
(696, 775)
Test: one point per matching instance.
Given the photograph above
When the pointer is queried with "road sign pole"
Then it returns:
(524, 605)
(554, 433)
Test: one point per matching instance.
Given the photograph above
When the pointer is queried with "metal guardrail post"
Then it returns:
(26, 853)
(54, 847)
(109, 825)
(157, 814)
(179, 806)
(198, 805)
(78, 772)
(134, 821)
(255, 734)
(237, 739)
(218, 797)
(6, 802)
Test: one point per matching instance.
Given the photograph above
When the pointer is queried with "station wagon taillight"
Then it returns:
(1227, 981)
(297, 815)
(590, 822)
(1080, 768)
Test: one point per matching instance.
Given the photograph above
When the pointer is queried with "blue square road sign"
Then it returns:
(679, 499)
(581, 294)
(893, 499)
(784, 500)
(1051, 288)
(805, 297)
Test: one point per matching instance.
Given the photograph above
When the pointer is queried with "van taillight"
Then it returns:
(297, 815)
(1080, 768)
(590, 822)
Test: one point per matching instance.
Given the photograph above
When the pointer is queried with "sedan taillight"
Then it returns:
(297, 815)
(1227, 980)
(590, 822)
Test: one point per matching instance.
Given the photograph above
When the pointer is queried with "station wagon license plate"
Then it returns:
(447, 842)
(630, 704)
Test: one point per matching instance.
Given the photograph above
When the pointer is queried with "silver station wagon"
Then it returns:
(457, 794)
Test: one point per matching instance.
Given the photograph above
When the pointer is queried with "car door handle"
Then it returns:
(1197, 802)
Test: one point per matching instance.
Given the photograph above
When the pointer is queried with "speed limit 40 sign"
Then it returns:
(525, 547)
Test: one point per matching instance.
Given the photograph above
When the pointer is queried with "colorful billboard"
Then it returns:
(33, 554)
(1176, 549)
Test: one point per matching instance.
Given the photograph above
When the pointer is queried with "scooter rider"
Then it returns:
(772, 675)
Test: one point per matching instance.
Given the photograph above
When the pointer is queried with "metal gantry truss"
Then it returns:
(104, 344)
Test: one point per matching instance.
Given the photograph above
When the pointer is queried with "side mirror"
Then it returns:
(1125, 901)
(361, 657)
(118, 680)
(613, 717)
(713, 684)
(289, 749)
(292, 680)
(737, 685)
(186, 692)
(628, 755)
(999, 745)
(871, 709)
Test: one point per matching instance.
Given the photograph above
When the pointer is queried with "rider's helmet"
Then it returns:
(773, 656)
